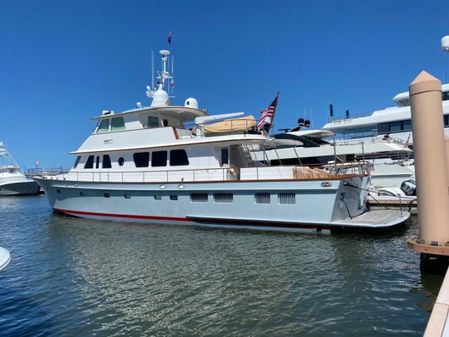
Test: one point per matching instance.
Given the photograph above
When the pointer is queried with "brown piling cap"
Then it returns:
(424, 82)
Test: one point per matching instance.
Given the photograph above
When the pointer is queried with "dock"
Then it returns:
(438, 325)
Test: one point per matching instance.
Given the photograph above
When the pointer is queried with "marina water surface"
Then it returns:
(75, 277)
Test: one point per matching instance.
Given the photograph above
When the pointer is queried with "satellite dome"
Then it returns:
(160, 98)
(191, 103)
(445, 43)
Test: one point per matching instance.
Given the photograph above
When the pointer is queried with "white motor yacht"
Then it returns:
(393, 121)
(12, 180)
(148, 165)
(390, 160)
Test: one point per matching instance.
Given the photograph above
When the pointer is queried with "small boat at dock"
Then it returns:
(12, 180)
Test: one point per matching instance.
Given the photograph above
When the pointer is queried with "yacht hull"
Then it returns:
(291, 205)
(28, 187)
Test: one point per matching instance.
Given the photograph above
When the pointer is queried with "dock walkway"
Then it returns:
(438, 325)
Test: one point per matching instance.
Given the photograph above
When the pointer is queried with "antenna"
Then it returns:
(445, 47)
(152, 69)
(172, 83)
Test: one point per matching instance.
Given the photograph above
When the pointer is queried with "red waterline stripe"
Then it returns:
(129, 216)
(251, 223)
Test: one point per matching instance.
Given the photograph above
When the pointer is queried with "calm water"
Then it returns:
(72, 277)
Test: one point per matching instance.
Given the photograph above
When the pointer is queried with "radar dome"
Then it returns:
(191, 103)
(160, 98)
(445, 43)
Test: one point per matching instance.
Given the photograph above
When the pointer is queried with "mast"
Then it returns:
(160, 95)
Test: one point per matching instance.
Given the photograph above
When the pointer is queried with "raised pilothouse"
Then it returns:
(12, 180)
(169, 164)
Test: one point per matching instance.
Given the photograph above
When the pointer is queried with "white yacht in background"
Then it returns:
(389, 159)
(145, 165)
(12, 179)
(394, 121)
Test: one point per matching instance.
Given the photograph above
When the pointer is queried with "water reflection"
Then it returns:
(116, 279)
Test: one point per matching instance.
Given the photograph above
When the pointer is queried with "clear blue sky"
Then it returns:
(62, 62)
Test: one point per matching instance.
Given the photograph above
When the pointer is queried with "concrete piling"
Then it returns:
(431, 172)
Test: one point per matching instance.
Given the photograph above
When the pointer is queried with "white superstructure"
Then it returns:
(178, 165)
(390, 159)
(394, 121)
(12, 179)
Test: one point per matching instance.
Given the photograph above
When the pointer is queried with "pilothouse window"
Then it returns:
(76, 161)
(141, 159)
(104, 126)
(89, 162)
(118, 123)
(178, 158)
(106, 161)
(153, 122)
(159, 158)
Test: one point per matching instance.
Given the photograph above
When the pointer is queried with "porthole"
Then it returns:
(121, 161)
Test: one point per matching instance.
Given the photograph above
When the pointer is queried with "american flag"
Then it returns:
(268, 112)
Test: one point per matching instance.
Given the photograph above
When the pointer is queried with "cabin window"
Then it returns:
(159, 158)
(89, 162)
(107, 195)
(287, 198)
(141, 159)
(104, 126)
(224, 156)
(262, 198)
(97, 162)
(396, 126)
(445, 95)
(178, 158)
(121, 161)
(106, 162)
(117, 123)
(223, 197)
(407, 125)
(77, 160)
(173, 197)
(157, 197)
(198, 197)
(153, 122)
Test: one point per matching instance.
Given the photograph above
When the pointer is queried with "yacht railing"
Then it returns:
(218, 174)
(371, 140)
(201, 175)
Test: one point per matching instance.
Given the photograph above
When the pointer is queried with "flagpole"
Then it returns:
(152, 69)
